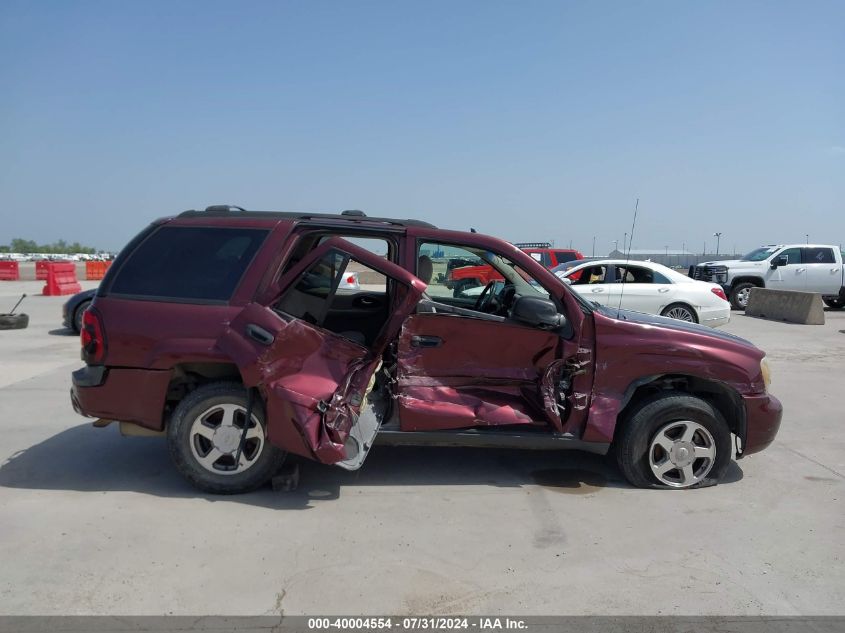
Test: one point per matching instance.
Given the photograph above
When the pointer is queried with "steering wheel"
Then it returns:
(485, 298)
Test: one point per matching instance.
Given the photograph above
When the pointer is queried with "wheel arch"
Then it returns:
(757, 281)
(186, 377)
(721, 396)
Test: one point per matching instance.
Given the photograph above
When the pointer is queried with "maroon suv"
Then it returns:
(230, 332)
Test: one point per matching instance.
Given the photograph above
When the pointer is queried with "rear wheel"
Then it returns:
(77, 316)
(205, 432)
(739, 295)
(680, 311)
(836, 303)
(673, 440)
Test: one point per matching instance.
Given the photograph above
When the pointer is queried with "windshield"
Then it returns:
(759, 254)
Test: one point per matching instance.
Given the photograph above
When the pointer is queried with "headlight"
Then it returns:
(767, 373)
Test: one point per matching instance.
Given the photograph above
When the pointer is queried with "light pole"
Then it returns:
(615, 245)
(594, 245)
(807, 235)
(718, 236)
(625, 242)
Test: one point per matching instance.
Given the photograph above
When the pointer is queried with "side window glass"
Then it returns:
(634, 275)
(452, 271)
(660, 278)
(819, 256)
(792, 254)
(592, 275)
(321, 295)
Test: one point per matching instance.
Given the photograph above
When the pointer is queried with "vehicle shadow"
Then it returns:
(62, 331)
(86, 459)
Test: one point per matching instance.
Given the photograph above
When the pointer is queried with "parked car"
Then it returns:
(463, 274)
(651, 288)
(803, 267)
(74, 307)
(222, 330)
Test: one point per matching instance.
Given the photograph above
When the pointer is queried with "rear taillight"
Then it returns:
(719, 293)
(93, 337)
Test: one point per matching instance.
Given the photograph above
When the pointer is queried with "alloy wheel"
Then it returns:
(216, 434)
(682, 453)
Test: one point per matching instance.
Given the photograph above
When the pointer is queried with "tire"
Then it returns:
(739, 295)
(14, 321)
(676, 310)
(646, 429)
(77, 316)
(187, 442)
(836, 304)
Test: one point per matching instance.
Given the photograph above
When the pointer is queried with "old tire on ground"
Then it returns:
(77, 316)
(681, 312)
(673, 440)
(13, 321)
(739, 295)
(837, 303)
(203, 435)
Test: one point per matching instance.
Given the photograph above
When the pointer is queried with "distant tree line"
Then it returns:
(19, 245)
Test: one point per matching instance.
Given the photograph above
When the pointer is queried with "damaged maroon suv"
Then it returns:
(235, 334)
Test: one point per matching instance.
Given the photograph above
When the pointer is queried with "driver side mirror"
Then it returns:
(566, 280)
(538, 312)
(783, 260)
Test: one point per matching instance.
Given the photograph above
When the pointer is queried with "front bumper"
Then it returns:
(763, 415)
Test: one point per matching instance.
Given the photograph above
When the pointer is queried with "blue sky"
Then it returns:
(526, 120)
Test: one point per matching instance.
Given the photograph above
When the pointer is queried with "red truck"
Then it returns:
(465, 275)
(227, 332)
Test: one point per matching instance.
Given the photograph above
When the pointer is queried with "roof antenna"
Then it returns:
(627, 258)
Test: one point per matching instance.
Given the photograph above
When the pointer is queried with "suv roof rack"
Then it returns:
(532, 244)
(350, 215)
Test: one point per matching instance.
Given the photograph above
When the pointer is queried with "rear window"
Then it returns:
(564, 256)
(189, 263)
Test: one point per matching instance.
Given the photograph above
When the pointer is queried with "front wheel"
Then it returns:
(673, 440)
(739, 295)
(204, 434)
(836, 303)
(681, 312)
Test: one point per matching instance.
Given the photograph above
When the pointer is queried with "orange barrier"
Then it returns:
(61, 279)
(96, 270)
(10, 271)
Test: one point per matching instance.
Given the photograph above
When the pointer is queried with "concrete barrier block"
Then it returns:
(786, 305)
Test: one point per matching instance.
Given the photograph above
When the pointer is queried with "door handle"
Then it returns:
(801, 270)
(366, 302)
(662, 290)
(423, 340)
(598, 290)
(259, 334)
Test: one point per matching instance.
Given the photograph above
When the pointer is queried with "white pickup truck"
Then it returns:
(805, 267)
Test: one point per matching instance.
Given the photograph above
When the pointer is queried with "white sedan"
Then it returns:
(651, 288)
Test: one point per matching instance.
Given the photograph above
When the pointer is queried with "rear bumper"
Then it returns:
(129, 395)
(715, 317)
(763, 415)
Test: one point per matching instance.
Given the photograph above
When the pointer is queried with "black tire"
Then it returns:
(737, 292)
(836, 304)
(640, 425)
(77, 316)
(13, 321)
(179, 439)
(668, 310)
